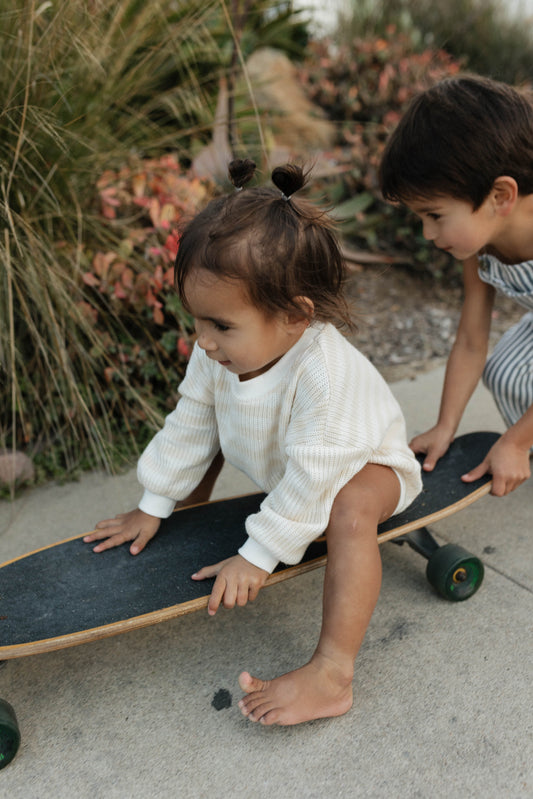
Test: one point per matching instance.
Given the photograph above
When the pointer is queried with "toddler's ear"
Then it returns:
(504, 194)
(304, 314)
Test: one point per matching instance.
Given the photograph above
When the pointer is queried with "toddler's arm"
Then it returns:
(135, 525)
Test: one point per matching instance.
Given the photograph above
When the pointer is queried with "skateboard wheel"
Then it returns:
(9, 734)
(455, 573)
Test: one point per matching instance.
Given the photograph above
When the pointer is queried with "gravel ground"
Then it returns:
(407, 323)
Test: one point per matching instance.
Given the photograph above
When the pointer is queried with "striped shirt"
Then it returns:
(508, 373)
(513, 280)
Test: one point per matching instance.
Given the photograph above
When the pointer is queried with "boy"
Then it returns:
(461, 158)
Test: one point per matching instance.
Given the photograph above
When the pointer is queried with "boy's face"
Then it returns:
(234, 332)
(453, 226)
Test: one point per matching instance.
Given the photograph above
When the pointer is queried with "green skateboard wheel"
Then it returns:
(455, 573)
(9, 734)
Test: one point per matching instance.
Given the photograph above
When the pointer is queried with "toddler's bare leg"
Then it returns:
(323, 687)
(203, 490)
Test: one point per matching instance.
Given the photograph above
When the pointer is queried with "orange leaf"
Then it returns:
(138, 183)
(127, 277)
(159, 318)
(154, 210)
(88, 311)
(90, 280)
(158, 278)
(102, 262)
(151, 299)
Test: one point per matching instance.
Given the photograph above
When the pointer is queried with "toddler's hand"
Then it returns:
(237, 582)
(135, 525)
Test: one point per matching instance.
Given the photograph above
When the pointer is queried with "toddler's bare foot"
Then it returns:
(319, 689)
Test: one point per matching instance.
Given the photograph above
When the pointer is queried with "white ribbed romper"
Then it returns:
(300, 431)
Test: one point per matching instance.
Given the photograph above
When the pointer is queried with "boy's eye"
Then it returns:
(220, 326)
(435, 217)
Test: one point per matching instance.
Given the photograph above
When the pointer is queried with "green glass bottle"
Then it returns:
(9, 734)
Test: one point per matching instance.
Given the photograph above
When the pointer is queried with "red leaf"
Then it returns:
(172, 243)
(120, 294)
(183, 348)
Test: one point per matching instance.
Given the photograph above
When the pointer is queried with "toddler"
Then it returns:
(278, 390)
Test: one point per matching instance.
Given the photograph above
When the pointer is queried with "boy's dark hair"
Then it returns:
(456, 138)
(282, 248)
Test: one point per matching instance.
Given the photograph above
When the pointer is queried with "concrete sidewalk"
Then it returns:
(444, 691)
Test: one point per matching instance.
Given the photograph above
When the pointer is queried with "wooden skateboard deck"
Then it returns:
(65, 594)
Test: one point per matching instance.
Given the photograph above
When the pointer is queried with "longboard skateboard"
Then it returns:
(65, 594)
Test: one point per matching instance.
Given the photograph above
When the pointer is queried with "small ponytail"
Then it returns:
(289, 179)
(241, 171)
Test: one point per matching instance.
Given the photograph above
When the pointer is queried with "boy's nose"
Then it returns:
(428, 230)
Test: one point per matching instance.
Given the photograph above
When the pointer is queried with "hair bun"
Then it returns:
(241, 171)
(289, 178)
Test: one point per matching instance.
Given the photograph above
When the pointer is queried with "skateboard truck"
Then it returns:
(453, 571)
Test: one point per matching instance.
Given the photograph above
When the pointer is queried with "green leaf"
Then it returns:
(353, 206)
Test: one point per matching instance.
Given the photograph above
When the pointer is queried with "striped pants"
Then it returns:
(508, 373)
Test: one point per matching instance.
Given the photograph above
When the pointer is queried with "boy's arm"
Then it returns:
(464, 368)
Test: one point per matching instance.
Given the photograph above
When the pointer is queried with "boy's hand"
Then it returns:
(434, 443)
(508, 464)
(135, 526)
(237, 582)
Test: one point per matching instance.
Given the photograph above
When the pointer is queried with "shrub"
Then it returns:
(485, 34)
(95, 95)
(132, 283)
(364, 88)
(86, 86)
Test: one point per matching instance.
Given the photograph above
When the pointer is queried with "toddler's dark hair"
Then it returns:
(281, 247)
(456, 138)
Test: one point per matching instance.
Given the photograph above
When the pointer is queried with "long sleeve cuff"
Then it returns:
(257, 554)
(155, 505)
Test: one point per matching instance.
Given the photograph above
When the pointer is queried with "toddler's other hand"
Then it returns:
(135, 525)
(237, 582)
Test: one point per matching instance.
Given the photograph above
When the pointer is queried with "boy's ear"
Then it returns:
(304, 314)
(504, 194)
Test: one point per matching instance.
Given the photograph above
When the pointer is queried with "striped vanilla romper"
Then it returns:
(508, 373)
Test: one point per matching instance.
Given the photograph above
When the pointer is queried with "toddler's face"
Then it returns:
(234, 332)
